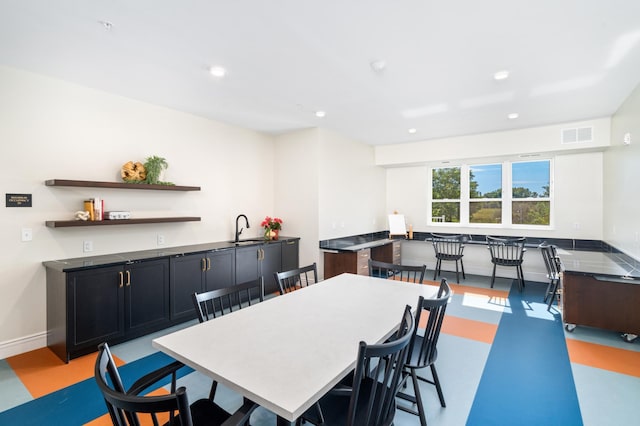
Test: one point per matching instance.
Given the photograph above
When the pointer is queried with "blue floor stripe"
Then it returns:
(518, 388)
(82, 402)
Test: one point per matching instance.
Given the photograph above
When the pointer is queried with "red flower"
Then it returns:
(271, 223)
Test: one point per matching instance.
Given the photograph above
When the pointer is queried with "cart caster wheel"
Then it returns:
(629, 338)
(570, 327)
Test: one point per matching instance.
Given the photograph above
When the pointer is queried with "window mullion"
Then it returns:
(464, 194)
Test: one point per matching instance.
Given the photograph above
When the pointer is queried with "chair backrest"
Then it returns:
(214, 303)
(422, 350)
(509, 249)
(374, 390)
(295, 279)
(549, 261)
(448, 246)
(408, 273)
(555, 258)
(125, 408)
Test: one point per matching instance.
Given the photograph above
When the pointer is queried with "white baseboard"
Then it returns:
(23, 344)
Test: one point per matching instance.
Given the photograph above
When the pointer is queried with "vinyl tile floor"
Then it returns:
(605, 369)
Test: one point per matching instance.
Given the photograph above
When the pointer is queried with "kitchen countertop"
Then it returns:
(67, 265)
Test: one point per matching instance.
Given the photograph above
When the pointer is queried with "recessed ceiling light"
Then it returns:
(412, 130)
(217, 71)
(513, 116)
(106, 24)
(378, 66)
(501, 75)
(320, 114)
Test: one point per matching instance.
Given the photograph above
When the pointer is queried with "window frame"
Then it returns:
(506, 199)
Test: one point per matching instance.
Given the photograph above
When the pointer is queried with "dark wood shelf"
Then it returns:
(118, 185)
(72, 223)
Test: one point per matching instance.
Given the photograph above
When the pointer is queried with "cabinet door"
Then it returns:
(146, 296)
(95, 307)
(271, 262)
(187, 277)
(290, 255)
(247, 263)
(220, 270)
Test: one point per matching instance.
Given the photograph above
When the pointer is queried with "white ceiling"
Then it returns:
(569, 60)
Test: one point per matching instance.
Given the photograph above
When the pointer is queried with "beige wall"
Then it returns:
(621, 179)
(52, 129)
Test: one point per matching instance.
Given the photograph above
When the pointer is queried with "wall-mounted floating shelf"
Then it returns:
(118, 185)
(72, 223)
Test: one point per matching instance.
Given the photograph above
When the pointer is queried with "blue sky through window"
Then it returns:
(488, 176)
(533, 175)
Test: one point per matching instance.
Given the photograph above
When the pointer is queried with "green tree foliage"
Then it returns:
(446, 183)
(530, 212)
(446, 186)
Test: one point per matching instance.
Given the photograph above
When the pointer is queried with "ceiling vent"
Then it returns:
(577, 135)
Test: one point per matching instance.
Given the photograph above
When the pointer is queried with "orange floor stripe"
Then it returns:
(42, 372)
(490, 292)
(466, 328)
(604, 357)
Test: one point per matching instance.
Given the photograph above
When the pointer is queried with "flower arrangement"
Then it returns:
(271, 227)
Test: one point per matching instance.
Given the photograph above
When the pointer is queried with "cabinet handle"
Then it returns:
(290, 243)
(208, 263)
(121, 279)
(128, 283)
(262, 250)
(204, 264)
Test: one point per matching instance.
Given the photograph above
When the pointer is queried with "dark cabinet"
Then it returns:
(262, 261)
(113, 303)
(195, 273)
(290, 254)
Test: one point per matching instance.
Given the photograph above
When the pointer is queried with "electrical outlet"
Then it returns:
(87, 246)
(27, 234)
(160, 239)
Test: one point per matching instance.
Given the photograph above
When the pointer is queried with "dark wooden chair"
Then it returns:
(448, 248)
(507, 252)
(423, 350)
(554, 269)
(295, 279)
(370, 400)
(408, 273)
(131, 407)
(215, 303)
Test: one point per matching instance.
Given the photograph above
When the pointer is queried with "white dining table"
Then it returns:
(288, 351)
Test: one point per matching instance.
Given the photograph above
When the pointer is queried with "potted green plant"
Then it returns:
(154, 166)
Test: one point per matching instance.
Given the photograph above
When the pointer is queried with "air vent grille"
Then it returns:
(577, 135)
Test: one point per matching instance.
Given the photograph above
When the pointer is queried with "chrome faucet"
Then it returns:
(240, 231)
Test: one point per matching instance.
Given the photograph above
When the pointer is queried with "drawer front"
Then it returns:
(363, 261)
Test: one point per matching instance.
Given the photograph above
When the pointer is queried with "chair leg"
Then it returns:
(520, 277)
(457, 273)
(437, 269)
(212, 392)
(416, 391)
(493, 276)
(462, 267)
(436, 382)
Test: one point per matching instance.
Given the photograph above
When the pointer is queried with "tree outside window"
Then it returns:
(445, 195)
(531, 193)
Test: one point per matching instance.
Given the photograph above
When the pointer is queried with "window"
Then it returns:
(445, 195)
(485, 193)
(501, 194)
(530, 193)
